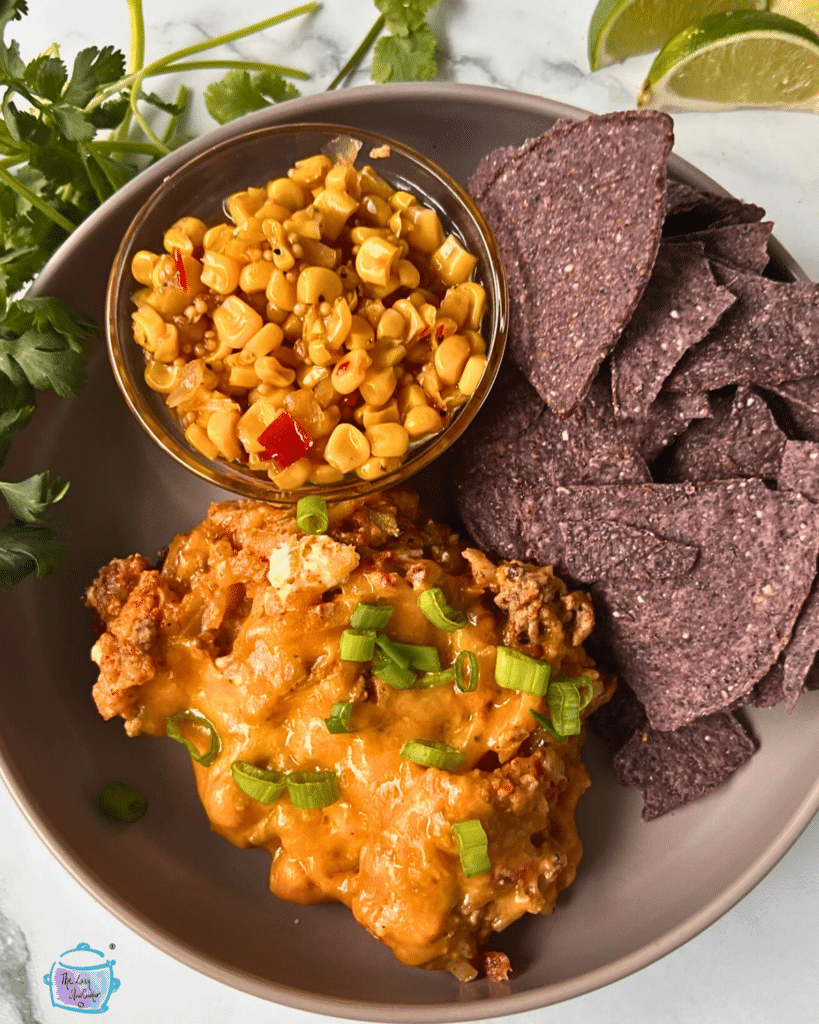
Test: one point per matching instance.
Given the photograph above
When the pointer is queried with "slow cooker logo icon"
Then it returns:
(82, 980)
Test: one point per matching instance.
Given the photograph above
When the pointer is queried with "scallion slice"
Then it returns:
(421, 657)
(516, 671)
(433, 754)
(356, 645)
(339, 715)
(121, 802)
(391, 651)
(468, 682)
(174, 731)
(395, 676)
(433, 604)
(261, 784)
(371, 616)
(543, 721)
(564, 705)
(429, 680)
(311, 514)
(473, 847)
(310, 790)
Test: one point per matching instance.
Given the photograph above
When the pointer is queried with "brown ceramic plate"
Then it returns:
(642, 889)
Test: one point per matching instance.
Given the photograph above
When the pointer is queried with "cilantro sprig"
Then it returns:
(69, 139)
(406, 53)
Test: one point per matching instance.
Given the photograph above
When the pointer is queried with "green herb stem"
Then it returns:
(238, 65)
(359, 54)
(36, 201)
(157, 66)
(137, 55)
(173, 121)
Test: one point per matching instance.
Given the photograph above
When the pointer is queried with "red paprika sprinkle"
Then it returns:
(285, 440)
(182, 279)
(439, 332)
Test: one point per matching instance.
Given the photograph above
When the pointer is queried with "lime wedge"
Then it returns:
(738, 59)
(623, 28)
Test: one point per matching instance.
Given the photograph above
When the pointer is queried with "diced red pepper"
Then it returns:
(180, 270)
(285, 440)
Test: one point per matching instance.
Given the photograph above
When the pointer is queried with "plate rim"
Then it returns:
(305, 109)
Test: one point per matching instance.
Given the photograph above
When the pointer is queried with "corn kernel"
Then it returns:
(389, 440)
(220, 273)
(235, 321)
(378, 385)
(349, 373)
(422, 421)
(376, 260)
(376, 467)
(318, 284)
(296, 475)
(451, 262)
(472, 373)
(347, 448)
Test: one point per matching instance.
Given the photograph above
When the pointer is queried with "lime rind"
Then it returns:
(624, 28)
(716, 32)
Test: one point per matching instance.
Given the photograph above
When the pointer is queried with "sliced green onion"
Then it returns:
(173, 730)
(429, 680)
(433, 604)
(433, 754)
(391, 651)
(311, 514)
(310, 790)
(516, 671)
(371, 616)
(544, 722)
(421, 658)
(261, 784)
(357, 646)
(395, 676)
(470, 682)
(121, 802)
(339, 714)
(473, 847)
(564, 706)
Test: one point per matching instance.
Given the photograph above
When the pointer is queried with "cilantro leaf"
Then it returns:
(240, 93)
(46, 75)
(404, 17)
(41, 342)
(26, 548)
(407, 58)
(16, 409)
(92, 68)
(30, 499)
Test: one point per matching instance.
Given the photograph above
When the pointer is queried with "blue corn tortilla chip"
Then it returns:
(674, 768)
(680, 305)
(665, 419)
(799, 468)
(786, 678)
(577, 214)
(605, 550)
(688, 645)
(801, 402)
(742, 245)
(690, 209)
(766, 337)
(741, 439)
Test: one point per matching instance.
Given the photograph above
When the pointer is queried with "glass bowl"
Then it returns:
(199, 188)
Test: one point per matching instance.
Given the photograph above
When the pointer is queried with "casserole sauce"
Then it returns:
(242, 622)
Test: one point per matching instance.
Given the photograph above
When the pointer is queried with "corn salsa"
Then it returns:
(323, 329)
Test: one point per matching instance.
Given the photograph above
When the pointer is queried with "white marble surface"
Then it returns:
(757, 965)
